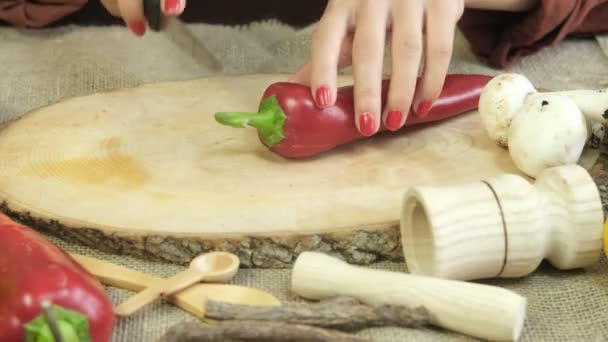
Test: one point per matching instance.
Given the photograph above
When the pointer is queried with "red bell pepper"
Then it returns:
(291, 125)
(32, 271)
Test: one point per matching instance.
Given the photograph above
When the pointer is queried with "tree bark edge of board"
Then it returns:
(358, 247)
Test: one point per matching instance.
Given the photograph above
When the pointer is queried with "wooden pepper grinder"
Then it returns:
(504, 226)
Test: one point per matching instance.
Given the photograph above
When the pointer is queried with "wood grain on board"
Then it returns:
(147, 171)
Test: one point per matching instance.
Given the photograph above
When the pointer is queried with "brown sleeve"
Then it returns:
(37, 13)
(503, 37)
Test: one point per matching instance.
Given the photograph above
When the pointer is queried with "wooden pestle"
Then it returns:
(478, 310)
(503, 226)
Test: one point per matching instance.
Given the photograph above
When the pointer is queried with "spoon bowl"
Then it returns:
(217, 266)
(213, 267)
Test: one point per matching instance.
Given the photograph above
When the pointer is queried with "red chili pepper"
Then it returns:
(32, 271)
(290, 124)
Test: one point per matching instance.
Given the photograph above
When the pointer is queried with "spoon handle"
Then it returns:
(181, 281)
(191, 300)
(116, 275)
(156, 289)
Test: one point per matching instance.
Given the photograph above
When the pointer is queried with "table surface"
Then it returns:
(48, 65)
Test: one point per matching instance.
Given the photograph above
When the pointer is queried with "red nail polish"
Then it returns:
(172, 6)
(366, 123)
(139, 28)
(423, 108)
(393, 120)
(322, 96)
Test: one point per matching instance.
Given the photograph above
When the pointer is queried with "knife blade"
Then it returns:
(181, 35)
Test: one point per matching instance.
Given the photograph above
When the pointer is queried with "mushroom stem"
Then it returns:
(593, 103)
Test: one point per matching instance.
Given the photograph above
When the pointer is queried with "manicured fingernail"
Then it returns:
(366, 123)
(423, 108)
(393, 120)
(322, 96)
(173, 6)
(138, 27)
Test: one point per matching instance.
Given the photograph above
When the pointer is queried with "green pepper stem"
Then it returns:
(269, 120)
(71, 325)
(261, 120)
(51, 321)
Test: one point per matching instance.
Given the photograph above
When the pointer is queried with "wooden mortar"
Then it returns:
(503, 226)
(482, 311)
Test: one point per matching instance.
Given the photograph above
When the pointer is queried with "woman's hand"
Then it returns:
(355, 31)
(132, 11)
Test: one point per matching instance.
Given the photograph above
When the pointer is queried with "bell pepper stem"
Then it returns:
(52, 321)
(71, 326)
(269, 120)
(262, 120)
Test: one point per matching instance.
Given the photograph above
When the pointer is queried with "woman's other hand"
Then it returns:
(132, 12)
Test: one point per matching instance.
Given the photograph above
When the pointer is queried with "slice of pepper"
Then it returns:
(290, 124)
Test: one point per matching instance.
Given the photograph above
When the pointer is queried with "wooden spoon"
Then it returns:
(213, 267)
(192, 300)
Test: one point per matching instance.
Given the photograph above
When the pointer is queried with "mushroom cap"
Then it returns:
(499, 102)
(549, 130)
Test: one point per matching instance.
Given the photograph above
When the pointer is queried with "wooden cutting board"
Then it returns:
(147, 171)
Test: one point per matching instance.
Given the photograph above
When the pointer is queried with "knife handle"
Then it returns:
(153, 14)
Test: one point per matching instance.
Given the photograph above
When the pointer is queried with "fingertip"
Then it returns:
(423, 108)
(424, 98)
(393, 120)
(138, 28)
(173, 7)
(367, 124)
(323, 96)
(132, 14)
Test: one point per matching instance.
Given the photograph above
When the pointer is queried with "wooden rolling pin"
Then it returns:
(477, 310)
(504, 226)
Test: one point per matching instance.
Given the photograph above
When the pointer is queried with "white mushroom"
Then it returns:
(550, 130)
(541, 130)
(500, 100)
(503, 96)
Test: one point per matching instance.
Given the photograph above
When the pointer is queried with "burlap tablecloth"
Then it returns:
(41, 67)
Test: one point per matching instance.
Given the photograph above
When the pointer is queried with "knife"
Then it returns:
(180, 35)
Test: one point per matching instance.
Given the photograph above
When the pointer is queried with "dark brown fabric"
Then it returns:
(504, 38)
(37, 13)
(225, 12)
